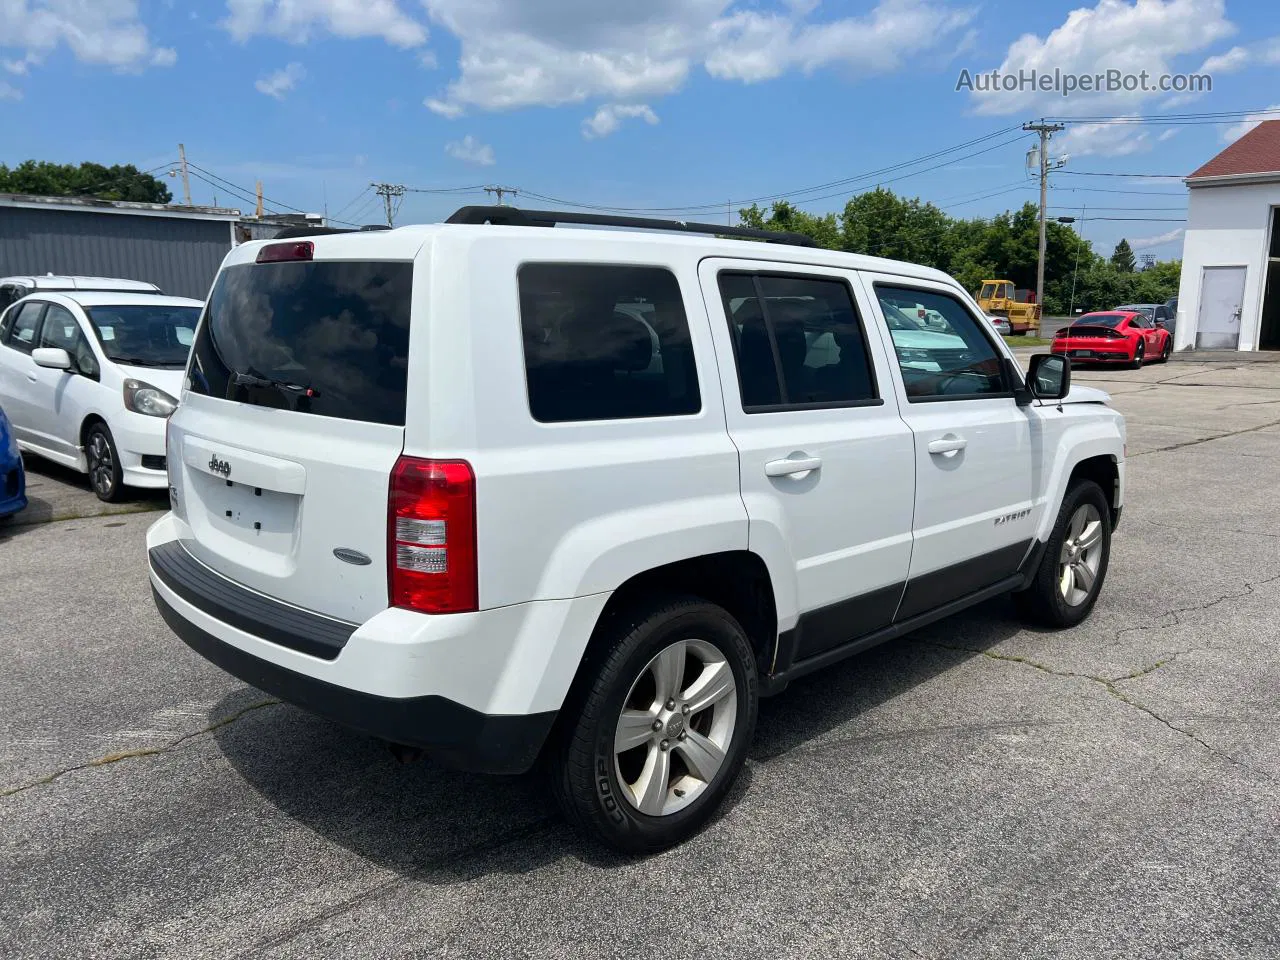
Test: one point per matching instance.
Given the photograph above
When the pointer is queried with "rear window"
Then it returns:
(605, 343)
(329, 338)
(1100, 320)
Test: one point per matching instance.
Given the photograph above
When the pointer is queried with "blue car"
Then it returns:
(13, 481)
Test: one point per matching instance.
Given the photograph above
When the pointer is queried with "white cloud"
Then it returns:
(1168, 134)
(1233, 132)
(1237, 58)
(105, 32)
(610, 116)
(9, 92)
(1146, 243)
(427, 60)
(282, 81)
(295, 20)
(1104, 139)
(470, 150)
(516, 53)
(450, 111)
(1145, 34)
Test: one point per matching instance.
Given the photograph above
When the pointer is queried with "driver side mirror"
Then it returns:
(54, 358)
(1049, 376)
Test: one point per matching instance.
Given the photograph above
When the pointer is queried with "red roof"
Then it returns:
(1258, 151)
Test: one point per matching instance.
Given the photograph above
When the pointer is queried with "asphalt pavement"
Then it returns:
(978, 789)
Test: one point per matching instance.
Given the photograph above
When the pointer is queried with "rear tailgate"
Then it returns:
(292, 418)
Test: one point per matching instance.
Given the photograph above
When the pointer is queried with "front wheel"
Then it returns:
(660, 725)
(103, 460)
(1066, 585)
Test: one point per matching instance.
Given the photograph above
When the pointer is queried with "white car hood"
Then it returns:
(1086, 395)
(170, 381)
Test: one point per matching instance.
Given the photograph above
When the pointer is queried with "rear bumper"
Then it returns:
(450, 732)
(1099, 353)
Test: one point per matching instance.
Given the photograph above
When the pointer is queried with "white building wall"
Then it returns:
(1226, 227)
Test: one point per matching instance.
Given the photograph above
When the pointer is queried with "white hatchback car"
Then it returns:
(503, 492)
(89, 380)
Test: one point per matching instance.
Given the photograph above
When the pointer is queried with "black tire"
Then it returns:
(103, 459)
(1168, 349)
(583, 768)
(1043, 600)
(1139, 352)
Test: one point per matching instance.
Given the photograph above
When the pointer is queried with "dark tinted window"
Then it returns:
(145, 335)
(797, 342)
(326, 337)
(951, 357)
(1100, 320)
(605, 343)
(9, 293)
(21, 334)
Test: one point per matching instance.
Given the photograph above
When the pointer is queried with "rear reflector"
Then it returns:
(285, 252)
(431, 536)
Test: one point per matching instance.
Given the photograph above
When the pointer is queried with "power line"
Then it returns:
(227, 184)
(1137, 193)
(1144, 176)
(1173, 119)
(1170, 209)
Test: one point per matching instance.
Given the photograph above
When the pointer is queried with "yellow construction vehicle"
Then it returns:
(999, 298)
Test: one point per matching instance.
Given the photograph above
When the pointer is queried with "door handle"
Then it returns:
(791, 466)
(947, 445)
(33, 378)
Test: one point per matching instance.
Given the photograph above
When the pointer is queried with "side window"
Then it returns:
(797, 342)
(950, 359)
(9, 293)
(22, 332)
(1138, 321)
(604, 342)
(61, 330)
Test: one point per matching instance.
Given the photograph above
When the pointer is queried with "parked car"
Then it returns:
(13, 289)
(1171, 307)
(1001, 325)
(13, 480)
(1157, 313)
(1113, 336)
(471, 514)
(89, 380)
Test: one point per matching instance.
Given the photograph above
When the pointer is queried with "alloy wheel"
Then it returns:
(676, 726)
(101, 464)
(1081, 555)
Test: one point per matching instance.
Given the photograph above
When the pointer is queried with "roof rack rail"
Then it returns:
(516, 217)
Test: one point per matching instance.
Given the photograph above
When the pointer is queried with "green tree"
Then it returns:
(1123, 259)
(117, 182)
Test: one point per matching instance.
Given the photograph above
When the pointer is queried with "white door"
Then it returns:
(62, 397)
(827, 464)
(975, 505)
(18, 371)
(1221, 302)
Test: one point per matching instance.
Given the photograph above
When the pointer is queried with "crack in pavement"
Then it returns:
(1192, 443)
(117, 756)
(1109, 684)
(1219, 530)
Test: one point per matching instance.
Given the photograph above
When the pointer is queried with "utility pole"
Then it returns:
(186, 180)
(1046, 130)
(257, 210)
(389, 192)
(501, 192)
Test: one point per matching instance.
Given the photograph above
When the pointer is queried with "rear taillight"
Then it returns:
(285, 252)
(431, 536)
(1061, 333)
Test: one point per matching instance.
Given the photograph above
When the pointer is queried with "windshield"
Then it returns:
(145, 335)
(1146, 309)
(325, 337)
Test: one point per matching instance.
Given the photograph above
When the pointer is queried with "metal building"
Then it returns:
(179, 248)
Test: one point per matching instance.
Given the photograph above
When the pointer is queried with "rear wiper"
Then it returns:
(253, 380)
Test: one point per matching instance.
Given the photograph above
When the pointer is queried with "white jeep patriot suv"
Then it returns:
(509, 493)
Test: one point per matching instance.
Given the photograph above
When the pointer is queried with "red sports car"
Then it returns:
(1114, 336)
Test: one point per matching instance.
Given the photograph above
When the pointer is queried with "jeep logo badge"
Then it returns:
(219, 466)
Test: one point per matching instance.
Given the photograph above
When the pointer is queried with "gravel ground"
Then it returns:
(975, 790)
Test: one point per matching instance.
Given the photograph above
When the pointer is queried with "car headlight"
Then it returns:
(145, 399)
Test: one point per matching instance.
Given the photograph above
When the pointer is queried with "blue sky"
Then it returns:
(667, 103)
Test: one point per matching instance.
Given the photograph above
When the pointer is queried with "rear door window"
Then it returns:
(605, 342)
(325, 337)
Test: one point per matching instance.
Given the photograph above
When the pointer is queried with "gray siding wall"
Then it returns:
(181, 256)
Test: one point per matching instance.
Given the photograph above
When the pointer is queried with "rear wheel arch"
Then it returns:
(737, 581)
